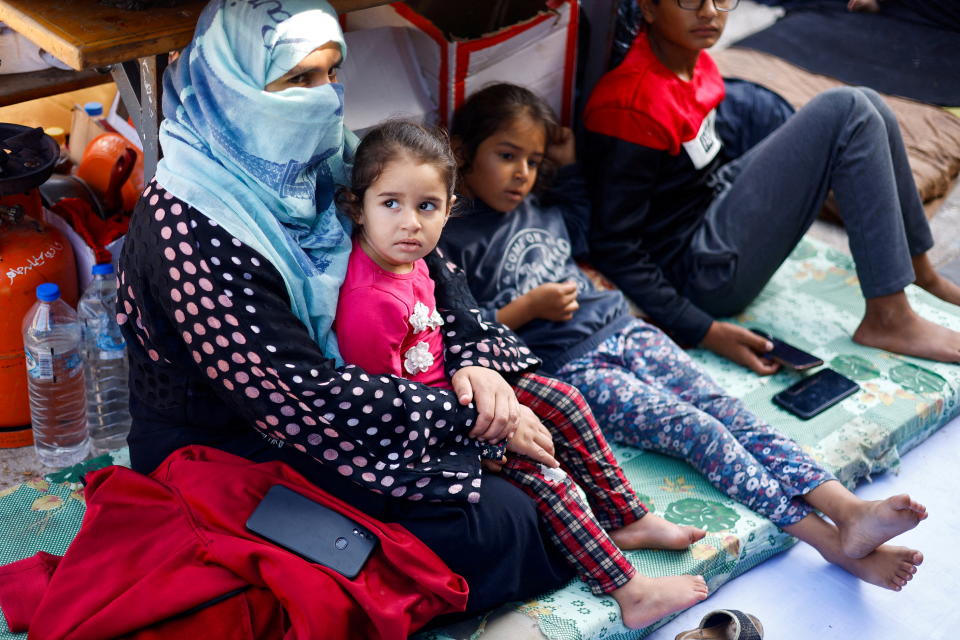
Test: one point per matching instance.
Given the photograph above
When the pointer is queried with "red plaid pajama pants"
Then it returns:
(584, 455)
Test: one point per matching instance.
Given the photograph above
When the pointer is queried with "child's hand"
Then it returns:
(493, 466)
(532, 439)
(562, 149)
(740, 345)
(555, 301)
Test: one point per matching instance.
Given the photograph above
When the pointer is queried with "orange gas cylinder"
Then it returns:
(31, 253)
(99, 169)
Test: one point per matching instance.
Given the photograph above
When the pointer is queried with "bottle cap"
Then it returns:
(93, 109)
(57, 134)
(102, 269)
(48, 292)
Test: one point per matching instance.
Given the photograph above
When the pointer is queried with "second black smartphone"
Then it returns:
(312, 530)
(788, 355)
(816, 393)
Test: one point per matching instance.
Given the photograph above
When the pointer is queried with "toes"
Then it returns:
(696, 535)
(901, 501)
(895, 582)
(904, 576)
(917, 558)
(917, 508)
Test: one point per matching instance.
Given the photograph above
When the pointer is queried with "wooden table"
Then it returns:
(133, 44)
(20, 87)
(85, 33)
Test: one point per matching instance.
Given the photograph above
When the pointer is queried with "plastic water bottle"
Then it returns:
(51, 342)
(105, 362)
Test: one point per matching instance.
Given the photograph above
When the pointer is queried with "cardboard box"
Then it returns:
(381, 79)
(83, 129)
(20, 55)
(538, 53)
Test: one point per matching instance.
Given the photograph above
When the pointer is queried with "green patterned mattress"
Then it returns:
(813, 302)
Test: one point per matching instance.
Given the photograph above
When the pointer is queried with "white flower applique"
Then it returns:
(421, 319)
(551, 475)
(418, 358)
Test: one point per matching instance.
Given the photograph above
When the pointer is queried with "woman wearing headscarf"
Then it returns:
(228, 286)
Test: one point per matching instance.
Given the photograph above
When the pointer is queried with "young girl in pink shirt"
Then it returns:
(389, 322)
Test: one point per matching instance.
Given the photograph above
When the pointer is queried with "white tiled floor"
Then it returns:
(798, 596)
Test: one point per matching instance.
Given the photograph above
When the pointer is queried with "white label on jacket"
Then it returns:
(706, 144)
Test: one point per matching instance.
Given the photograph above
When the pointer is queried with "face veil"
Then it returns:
(264, 165)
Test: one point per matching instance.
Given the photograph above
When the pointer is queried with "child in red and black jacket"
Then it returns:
(691, 232)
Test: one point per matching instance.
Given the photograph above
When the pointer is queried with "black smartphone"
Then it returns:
(788, 355)
(816, 393)
(312, 531)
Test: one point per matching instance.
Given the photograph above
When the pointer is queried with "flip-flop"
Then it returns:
(725, 624)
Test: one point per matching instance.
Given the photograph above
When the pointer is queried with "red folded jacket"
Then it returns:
(167, 555)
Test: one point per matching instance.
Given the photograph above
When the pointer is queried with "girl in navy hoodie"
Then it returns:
(518, 251)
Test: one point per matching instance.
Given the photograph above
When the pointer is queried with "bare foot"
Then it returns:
(887, 566)
(645, 600)
(891, 324)
(879, 521)
(941, 287)
(653, 532)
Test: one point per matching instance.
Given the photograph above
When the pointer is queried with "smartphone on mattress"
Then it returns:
(816, 393)
(312, 531)
(789, 355)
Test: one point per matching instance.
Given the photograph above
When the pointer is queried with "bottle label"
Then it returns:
(41, 364)
(110, 345)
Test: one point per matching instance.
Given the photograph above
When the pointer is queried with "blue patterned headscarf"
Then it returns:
(264, 165)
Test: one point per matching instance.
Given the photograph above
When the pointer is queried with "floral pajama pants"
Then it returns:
(586, 459)
(648, 393)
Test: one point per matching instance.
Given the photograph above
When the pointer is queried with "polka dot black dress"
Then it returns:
(218, 358)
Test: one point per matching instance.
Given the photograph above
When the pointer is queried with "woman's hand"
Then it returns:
(497, 407)
(740, 345)
(532, 439)
(562, 149)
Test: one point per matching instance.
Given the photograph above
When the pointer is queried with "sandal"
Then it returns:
(725, 624)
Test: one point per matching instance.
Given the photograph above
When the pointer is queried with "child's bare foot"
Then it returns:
(645, 600)
(891, 324)
(887, 566)
(939, 286)
(879, 521)
(653, 532)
